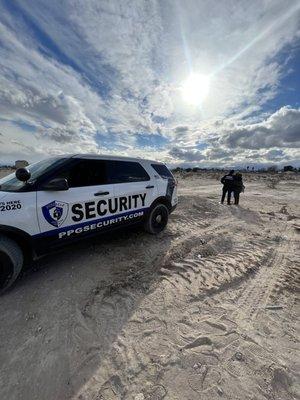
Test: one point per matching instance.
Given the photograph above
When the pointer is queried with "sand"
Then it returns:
(5, 171)
(205, 310)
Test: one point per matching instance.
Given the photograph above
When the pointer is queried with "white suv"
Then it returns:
(62, 199)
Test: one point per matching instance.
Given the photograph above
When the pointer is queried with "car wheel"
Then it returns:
(157, 219)
(11, 262)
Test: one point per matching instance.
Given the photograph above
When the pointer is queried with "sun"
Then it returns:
(195, 88)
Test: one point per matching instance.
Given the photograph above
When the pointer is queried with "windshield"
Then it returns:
(11, 184)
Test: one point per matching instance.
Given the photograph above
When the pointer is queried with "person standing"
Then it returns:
(238, 187)
(228, 186)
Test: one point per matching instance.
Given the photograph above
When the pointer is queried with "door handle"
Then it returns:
(101, 193)
(149, 187)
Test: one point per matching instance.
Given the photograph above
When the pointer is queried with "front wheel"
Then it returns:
(157, 219)
(11, 262)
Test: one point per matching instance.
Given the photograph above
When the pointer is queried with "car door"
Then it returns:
(134, 185)
(80, 210)
(17, 210)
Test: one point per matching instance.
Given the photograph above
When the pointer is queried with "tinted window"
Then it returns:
(85, 173)
(162, 170)
(127, 171)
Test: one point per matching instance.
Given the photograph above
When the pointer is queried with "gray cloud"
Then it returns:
(281, 129)
(219, 153)
(181, 129)
(275, 155)
(28, 149)
(186, 155)
(31, 101)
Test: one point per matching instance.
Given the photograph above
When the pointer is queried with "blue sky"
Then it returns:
(110, 77)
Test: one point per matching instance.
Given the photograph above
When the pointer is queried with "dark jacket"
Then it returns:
(238, 183)
(228, 181)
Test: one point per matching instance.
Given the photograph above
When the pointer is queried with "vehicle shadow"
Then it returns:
(70, 307)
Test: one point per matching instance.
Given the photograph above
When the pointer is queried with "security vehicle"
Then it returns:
(62, 199)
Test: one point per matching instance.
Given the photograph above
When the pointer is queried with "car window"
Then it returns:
(162, 170)
(11, 184)
(85, 173)
(127, 171)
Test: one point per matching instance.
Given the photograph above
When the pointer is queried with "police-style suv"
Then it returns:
(62, 199)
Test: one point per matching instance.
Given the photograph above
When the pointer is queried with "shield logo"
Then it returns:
(55, 212)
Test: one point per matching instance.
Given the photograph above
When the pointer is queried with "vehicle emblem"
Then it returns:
(55, 212)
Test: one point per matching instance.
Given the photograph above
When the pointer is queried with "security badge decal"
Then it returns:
(55, 212)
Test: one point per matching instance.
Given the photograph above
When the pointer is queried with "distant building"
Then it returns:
(21, 164)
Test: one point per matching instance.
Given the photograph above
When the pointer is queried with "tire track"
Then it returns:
(213, 273)
(269, 277)
(148, 349)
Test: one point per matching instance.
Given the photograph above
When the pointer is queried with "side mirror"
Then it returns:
(56, 184)
(22, 174)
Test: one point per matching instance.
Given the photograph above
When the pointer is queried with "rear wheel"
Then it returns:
(11, 262)
(157, 219)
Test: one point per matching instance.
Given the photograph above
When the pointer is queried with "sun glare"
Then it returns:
(195, 88)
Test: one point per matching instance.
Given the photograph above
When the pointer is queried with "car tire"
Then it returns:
(11, 262)
(157, 219)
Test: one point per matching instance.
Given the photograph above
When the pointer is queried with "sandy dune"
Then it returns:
(205, 310)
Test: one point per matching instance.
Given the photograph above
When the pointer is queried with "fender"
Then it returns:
(164, 200)
(23, 239)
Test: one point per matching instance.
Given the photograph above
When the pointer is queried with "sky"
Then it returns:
(208, 83)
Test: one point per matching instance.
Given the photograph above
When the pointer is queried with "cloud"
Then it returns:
(100, 76)
(281, 129)
(275, 155)
(220, 154)
(181, 129)
(186, 155)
